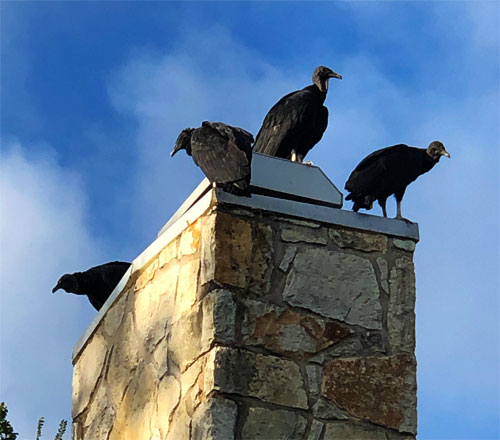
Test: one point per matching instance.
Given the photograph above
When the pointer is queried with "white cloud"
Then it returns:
(42, 235)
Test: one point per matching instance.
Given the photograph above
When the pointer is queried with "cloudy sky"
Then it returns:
(93, 95)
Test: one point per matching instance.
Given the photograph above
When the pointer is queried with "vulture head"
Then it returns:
(183, 142)
(68, 283)
(321, 76)
(436, 149)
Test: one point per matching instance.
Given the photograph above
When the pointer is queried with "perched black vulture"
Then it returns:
(223, 153)
(97, 283)
(389, 171)
(296, 123)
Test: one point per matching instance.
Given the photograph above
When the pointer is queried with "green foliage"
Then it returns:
(39, 427)
(60, 432)
(6, 430)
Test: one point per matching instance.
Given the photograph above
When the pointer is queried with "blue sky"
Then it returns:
(93, 95)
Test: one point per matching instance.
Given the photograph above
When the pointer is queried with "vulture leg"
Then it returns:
(382, 202)
(300, 158)
(399, 216)
(293, 156)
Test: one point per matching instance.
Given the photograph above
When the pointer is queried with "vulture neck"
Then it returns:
(320, 93)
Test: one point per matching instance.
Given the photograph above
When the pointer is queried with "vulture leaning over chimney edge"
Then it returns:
(389, 171)
(97, 282)
(296, 123)
(223, 152)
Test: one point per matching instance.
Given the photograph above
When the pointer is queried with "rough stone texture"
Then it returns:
(256, 326)
(405, 245)
(361, 385)
(350, 431)
(87, 372)
(336, 285)
(295, 235)
(401, 312)
(360, 241)
(316, 430)
(214, 420)
(287, 258)
(384, 273)
(267, 378)
(285, 331)
(265, 424)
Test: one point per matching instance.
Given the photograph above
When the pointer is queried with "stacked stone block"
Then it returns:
(250, 325)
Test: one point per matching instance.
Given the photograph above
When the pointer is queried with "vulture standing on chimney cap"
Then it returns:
(296, 123)
(97, 283)
(223, 153)
(389, 171)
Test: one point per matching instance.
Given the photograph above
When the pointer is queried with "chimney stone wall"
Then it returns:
(253, 325)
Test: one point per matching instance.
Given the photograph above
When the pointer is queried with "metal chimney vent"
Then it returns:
(281, 179)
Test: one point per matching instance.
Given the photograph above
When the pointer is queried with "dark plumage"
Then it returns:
(223, 153)
(97, 283)
(296, 123)
(389, 171)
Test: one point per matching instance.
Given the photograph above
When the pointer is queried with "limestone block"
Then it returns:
(99, 420)
(316, 430)
(180, 427)
(219, 317)
(168, 254)
(192, 385)
(227, 250)
(381, 390)
(160, 356)
(336, 285)
(313, 372)
(384, 273)
(287, 258)
(405, 245)
(260, 264)
(147, 275)
(306, 235)
(287, 332)
(401, 313)
(236, 252)
(167, 398)
(351, 431)
(134, 415)
(87, 371)
(265, 424)
(325, 409)
(268, 378)
(185, 343)
(187, 287)
(190, 239)
(124, 359)
(214, 419)
(360, 241)
(114, 314)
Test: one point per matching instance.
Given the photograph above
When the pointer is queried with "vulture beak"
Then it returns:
(335, 75)
(175, 150)
(56, 288)
(446, 154)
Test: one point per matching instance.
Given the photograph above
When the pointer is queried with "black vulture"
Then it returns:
(97, 283)
(223, 153)
(296, 123)
(389, 171)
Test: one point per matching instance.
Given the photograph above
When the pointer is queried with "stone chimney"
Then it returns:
(278, 316)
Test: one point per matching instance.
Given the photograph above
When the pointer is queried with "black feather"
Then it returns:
(297, 121)
(389, 171)
(97, 283)
(223, 152)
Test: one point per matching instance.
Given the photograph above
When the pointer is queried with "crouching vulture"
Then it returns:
(223, 152)
(97, 283)
(389, 171)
